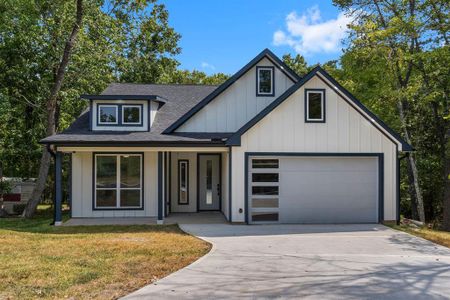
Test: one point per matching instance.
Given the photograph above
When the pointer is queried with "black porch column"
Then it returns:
(160, 188)
(58, 189)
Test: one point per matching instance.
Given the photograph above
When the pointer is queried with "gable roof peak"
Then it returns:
(265, 53)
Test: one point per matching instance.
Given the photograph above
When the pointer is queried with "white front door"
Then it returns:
(209, 188)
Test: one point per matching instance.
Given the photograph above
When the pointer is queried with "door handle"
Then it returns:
(218, 190)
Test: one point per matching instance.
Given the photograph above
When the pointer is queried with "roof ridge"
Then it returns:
(164, 84)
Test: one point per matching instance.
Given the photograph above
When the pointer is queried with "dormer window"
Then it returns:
(131, 114)
(127, 113)
(265, 83)
(107, 114)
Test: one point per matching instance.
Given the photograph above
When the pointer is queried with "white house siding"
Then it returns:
(284, 130)
(237, 104)
(82, 188)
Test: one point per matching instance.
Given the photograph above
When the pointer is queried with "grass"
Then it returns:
(96, 262)
(436, 236)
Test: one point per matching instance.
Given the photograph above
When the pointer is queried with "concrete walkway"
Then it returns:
(308, 261)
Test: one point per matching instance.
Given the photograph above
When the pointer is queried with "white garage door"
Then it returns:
(301, 189)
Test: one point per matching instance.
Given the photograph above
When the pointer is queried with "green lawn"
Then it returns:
(101, 262)
(436, 236)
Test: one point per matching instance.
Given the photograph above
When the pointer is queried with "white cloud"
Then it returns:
(206, 65)
(308, 33)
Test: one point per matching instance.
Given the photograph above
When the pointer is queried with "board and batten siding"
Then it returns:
(82, 184)
(237, 104)
(284, 130)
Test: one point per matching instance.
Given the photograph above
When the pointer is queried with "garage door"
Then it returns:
(301, 189)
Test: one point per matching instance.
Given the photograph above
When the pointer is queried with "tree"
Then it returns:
(51, 111)
(297, 64)
(117, 41)
(400, 36)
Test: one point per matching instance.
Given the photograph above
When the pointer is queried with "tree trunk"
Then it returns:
(412, 167)
(51, 112)
(446, 200)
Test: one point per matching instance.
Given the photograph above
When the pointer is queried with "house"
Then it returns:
(266, 146)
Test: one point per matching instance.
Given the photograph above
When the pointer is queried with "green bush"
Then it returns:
(19, 208)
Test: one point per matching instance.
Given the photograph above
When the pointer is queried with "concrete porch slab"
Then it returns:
(213, 217)
(207, 217)
(110, 221)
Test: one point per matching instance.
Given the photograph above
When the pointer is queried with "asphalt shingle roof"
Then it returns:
(180, 98)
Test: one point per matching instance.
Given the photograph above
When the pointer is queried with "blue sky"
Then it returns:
(222, 36)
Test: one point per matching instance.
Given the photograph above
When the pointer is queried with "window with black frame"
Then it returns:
(183, 182)
(314, 106)
(265, 81)
(118, 181)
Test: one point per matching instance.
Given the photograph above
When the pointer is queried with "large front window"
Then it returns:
(118, 181)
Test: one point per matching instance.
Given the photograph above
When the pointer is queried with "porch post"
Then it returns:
(58, 189)
(160, 188)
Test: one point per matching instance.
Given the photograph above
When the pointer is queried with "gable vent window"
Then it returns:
(314, 106)
(265, 83)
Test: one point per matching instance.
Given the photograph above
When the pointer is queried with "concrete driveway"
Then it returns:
(308, 261)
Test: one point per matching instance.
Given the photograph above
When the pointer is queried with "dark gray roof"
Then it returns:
(180, 99)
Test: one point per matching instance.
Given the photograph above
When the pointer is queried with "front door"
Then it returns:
(209, 182)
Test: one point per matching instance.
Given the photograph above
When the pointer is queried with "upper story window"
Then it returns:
(315, 105)
(119, 114)
(131, 114)
(265, 83)
(107, 114)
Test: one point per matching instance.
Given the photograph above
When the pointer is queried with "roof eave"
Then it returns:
(124, 97)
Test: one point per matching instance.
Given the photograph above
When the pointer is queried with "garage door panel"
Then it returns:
(328, 190)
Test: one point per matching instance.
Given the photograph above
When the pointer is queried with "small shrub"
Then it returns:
(19, 208)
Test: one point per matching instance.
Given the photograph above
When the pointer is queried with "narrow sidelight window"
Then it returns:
(131, 114)
(107, 114)
(183, 182)
(315, 106)
(265, 81)
(118, 181)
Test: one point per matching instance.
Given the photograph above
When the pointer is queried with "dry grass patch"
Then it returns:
(436, 236)
(100, 262)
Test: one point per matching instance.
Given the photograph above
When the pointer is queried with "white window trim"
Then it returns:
(117, 188)
(99, 121)
(322, 111)
(271, 81)
(140, 114)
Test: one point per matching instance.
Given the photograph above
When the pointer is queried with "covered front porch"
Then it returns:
(173, 185)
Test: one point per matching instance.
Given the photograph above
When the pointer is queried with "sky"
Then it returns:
(222, 36)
